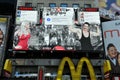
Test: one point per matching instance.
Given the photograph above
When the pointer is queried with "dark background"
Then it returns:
(8, 7)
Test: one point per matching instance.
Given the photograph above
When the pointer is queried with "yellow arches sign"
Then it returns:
(75, 73)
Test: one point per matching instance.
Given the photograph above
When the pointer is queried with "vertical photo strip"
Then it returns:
(111, 34)
(4, 27)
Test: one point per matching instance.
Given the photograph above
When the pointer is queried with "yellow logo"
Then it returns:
(8, 65)
(75, 73)
(3, 19)
(106, 66)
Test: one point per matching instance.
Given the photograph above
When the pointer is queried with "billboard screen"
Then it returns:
(59, 30)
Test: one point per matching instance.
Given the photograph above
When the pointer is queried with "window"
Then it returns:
(39, 5)
(52, 4)
(28, 4)
(63, 5)
(75, 5)
(87, 5)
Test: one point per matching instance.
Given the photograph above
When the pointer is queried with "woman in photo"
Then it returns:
(23, 34)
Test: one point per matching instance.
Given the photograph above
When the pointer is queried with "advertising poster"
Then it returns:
(110, 9)
(4, 25)
(111, 34)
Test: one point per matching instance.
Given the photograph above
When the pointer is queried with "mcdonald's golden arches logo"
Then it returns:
(75, 73)
(106, 66)
(8, 65)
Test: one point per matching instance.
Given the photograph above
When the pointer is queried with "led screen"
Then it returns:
(58, 31)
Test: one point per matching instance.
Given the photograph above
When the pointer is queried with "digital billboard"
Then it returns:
(58, 31)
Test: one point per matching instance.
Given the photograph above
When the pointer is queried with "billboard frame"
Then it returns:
(4, 26)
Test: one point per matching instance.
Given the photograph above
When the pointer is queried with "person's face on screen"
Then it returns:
(112, 52)
(85, 27)
(27, 26)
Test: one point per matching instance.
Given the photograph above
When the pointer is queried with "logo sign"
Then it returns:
(75, 73)
(8, 66)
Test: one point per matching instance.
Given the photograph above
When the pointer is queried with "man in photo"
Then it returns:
(112, 57)
(84, 36)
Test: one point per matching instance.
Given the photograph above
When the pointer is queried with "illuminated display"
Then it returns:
(58, 30)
